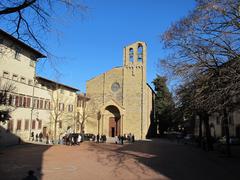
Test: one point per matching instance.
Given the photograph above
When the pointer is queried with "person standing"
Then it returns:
(32, 135)
(40, 136)
(79, 139)
(121, 137)
(116, 139)
(128, 138)
(97, 138)
(72, 140)
(104, 138)
(47, 139)
(36, 137)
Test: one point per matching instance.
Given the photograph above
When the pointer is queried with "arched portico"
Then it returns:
(114, 120)
(112, 117)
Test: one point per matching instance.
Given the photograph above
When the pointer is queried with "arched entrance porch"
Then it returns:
(114, 120)
(111, 119)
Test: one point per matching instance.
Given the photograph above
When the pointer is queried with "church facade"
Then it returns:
(121, 102)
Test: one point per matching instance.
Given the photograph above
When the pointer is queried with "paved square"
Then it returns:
(87, 161)
(159, 159)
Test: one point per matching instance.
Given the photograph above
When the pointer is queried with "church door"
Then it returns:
(114, 127)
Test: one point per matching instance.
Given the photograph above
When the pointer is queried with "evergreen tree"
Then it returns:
(164, 104)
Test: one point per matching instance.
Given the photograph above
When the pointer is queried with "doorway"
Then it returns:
(114, 120)
(114, 127)
(113, 132)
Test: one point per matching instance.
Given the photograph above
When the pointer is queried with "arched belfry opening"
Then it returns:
(114, 118)
(134, 55)
(131, 55)
(140, 52)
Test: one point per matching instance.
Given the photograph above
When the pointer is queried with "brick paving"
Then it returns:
(159, 159)
(87, 161)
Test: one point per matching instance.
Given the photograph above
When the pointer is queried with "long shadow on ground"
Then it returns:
(178, 161)
(17, 160)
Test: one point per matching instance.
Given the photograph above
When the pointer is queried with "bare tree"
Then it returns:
(205, 39)
(87, 110)
(29, 20)
(6, 106)
(206, 52)
(60, 118)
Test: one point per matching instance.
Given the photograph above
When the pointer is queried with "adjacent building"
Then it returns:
(217, 128)
(62, 114)
(17, 75)
(36, 104)
(82, 114)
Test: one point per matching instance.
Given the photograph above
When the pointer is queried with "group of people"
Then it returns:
(77, 138)
(101, 138)
(72, 139)
(130, 138)
(38, 137)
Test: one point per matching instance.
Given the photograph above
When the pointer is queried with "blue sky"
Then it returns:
(86, 47)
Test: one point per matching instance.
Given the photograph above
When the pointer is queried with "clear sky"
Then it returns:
(94, 44)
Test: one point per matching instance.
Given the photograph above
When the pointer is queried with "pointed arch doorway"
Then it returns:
(114, 121)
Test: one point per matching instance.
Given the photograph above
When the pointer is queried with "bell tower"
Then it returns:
(135, 56)
(134, 87)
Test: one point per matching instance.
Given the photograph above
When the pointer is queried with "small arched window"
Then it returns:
(131, 55)
(140, 52)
